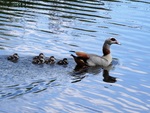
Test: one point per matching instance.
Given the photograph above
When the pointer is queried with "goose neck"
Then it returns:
(106, 49)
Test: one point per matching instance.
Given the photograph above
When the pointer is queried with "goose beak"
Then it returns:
(118, 43)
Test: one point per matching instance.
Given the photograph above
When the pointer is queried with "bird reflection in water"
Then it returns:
(80, 72)
(107, 77)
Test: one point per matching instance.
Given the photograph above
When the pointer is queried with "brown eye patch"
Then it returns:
(113, 39)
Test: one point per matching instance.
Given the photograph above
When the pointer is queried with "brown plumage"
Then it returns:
(83, 58)
(81, 61)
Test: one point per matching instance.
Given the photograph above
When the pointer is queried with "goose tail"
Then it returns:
(75, 57)
(79, 61)
(72, 51)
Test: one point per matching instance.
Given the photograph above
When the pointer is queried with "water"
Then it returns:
(56, 27)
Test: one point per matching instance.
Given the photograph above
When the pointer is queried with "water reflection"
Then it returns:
(23, 77)
(80, 72)
(107, 77)
(30, 22)
(56, 26)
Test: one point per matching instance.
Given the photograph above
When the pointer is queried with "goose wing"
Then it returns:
(82, 54)
(97, 60)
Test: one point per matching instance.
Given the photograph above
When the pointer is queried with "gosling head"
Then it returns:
(41, 55)
(52, 58)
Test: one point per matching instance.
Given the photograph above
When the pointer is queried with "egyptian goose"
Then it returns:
(50, 60)
(13, 58)
(41, 55)
(40, 59)
(85, 59)
(63, 62)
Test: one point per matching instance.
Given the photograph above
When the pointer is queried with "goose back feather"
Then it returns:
(83, 58)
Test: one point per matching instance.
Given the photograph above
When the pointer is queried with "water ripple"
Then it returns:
(56, 27)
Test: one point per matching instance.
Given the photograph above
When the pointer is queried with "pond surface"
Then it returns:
(55, 27)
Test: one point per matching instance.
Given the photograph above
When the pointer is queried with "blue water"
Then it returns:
(56, 27)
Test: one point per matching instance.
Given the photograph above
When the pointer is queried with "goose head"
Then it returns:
(110, 41)
(52, 58)
(65, 59)
(16, 56)
(41, 55)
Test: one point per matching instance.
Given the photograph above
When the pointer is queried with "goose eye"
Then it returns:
(113, 39)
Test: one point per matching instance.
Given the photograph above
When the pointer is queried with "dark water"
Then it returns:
(55, 27)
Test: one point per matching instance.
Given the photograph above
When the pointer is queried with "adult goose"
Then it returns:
(85, 59)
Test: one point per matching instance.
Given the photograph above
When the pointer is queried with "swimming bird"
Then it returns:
(40, 55)
(40, 59)
(51, 60)
(13, 58)
(35, 61)
(63, 62)
(86, 59)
